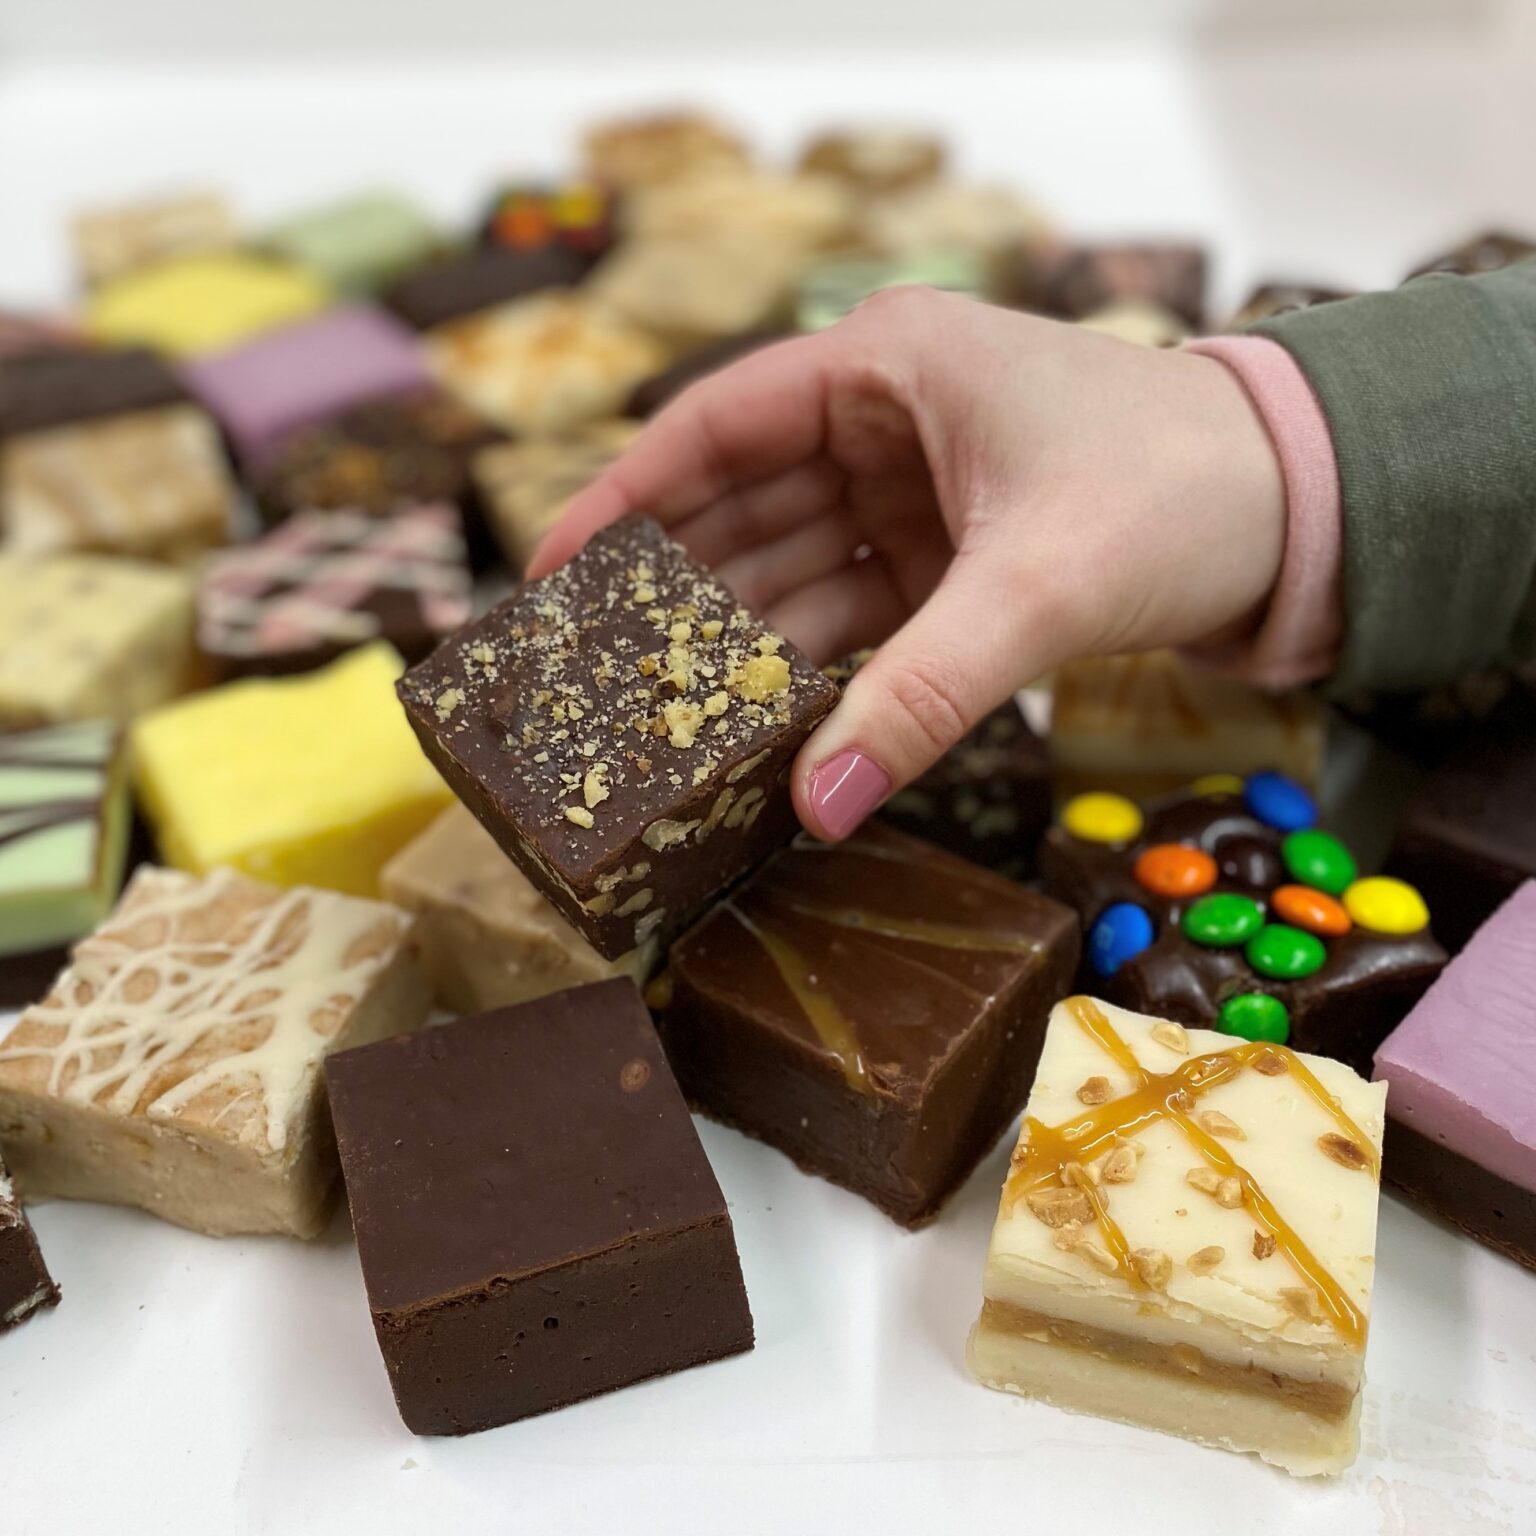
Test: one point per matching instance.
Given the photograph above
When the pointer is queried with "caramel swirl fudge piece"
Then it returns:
(1187, 1236)
(25, 1284)
(176, 1064)
(625, 731)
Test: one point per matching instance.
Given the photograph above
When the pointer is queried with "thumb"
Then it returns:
(958, 657)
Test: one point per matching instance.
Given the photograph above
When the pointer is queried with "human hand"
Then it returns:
(982, 494)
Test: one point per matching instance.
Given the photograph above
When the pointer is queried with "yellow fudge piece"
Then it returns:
(84, 637)
(312, 780)
(202, 303)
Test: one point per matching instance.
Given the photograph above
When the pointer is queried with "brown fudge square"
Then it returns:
(25, 1284)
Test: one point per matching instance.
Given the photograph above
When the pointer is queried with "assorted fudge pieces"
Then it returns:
(625, 731)
(1271, 299)
(220, 997)
(1186, 1238)
(1144, 725)
(359, 245)
(1074, 281)
(324, 582)
(310, 780)
(575, 215)
(873, 1009)
(469, 281)
(1225, 906)
(1487, 252)
(484, 935)
(84, 637)
(876, 160)
(653, 150)
(109, 242)
(64, 822)
(536, 1219)
(697, 363)
(25, 1284)
(62, 387)
(1135, 320)
(830, 291)
(1461, 1106)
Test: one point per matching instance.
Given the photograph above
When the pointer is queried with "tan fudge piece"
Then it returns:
(176, 1065)
(111, 241)
(631, 152)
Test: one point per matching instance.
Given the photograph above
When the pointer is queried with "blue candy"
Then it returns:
(1280, 802)
(1120, 934)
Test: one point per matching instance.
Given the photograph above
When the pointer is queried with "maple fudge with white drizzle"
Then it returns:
(625, 730)
(176, 1064)
(1186, 1239)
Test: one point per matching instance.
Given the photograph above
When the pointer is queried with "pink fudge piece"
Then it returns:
(1460, 1068)
(306, 373)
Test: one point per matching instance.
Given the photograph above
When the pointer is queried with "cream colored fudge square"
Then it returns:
(1187, 1237)
(111, 241)
(484, 935)
(85, 637)
(176, 1065)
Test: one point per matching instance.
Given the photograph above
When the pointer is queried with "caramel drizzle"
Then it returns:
(942, 935)
(1042, 1158)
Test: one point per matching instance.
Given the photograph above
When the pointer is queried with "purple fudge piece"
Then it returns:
(305, 374)
(1461, 1076)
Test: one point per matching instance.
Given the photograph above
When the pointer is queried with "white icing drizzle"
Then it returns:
(143, 993)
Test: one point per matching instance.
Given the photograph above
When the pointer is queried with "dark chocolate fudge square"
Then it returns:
(536, 1219)
(874, 1009)
(25, 1284)
(458, 285)
(625, 731)
(39, 390)
(1073, 281)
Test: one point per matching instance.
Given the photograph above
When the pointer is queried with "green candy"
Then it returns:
(1222, 920)
(1255, 1016)
(1284, 952)
(1319, 859)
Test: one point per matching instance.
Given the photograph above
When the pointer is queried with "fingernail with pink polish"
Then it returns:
(844, 789)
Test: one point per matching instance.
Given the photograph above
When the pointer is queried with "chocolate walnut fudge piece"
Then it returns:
(1187, 1238)
(467, 281)
(25, 1284)
(219, 997)
(625, 731)
(62, 386)
(1225, 906)
(536, 1219)
(1074, 281)
(873, 1009)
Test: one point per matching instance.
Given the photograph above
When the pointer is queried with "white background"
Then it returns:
(190, 1384)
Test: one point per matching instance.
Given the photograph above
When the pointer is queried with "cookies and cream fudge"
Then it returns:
(25, 1284)
(176, 1064)
(484, 934)
(307, 780)
(1186, 1239)
(625, 730)
(110, 241)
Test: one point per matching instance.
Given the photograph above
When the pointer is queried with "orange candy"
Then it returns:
(1171, 869)
(1314, 911)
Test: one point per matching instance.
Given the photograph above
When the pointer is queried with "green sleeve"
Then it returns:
(1430, 395)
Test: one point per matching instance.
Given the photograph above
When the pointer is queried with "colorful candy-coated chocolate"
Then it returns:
(1320, 859)
(1175, 869)
(1303, 907)
(1255, 1016)
(1120, 934)
(1284, 952)
(1279, 802)
(1223, 920)
(1385, 905)
(1102, 818)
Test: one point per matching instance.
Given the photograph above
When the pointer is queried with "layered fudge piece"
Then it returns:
(525, 486)
(220, 996)
(1281, 298)
(1073, 281)
(1461, 1135)
(536, 1219)
(64, 820)
(663, 147)
(873, 1009)
(697, 363)
(831, 290)
(307, 373)
(25, 1284)
(86, 637)
(1144, 725)
(625, 731)
(1226, 906)
(310, 780)
(546, 364)
(150, 484)
(109, 242)
(325, 582)
(202, 303)
(467, 282)
(876, 159)
(1487, 252)
(360, 244)
(64, 387)
(484, 935)
(581, 215)
(1186, 1238)
(1469, 838)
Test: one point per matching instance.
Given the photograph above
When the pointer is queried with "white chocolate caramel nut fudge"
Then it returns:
(1187, 1237)
(177, 1063)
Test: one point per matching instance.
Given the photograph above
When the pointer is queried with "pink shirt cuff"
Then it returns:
(1298, 637)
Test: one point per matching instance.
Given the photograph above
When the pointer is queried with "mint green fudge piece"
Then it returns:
(358, 245)
(830, 290)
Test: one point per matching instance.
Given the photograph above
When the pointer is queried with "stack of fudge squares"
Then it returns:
(332, 853)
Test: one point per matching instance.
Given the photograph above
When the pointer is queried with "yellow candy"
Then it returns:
(1100, 818)
(1385, 905)
(1217, 784)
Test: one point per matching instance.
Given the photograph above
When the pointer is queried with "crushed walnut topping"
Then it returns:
(1343, 1151)
(1056, 1207)
(1264, 1244)
(1084, 1175)
(1217, 1124)
(1119, 1166)
(1094, 1091)
(448, 701)
(1152, 1267)
(579, 814)
(1301, 1301)
(1204, 1260)
(1174, 1036)
(1268, 1064)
